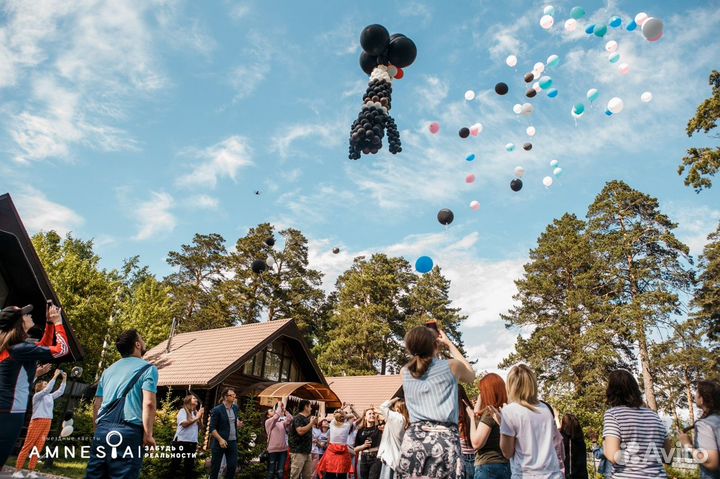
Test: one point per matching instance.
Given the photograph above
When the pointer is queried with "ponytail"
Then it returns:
(421, 343)
(418, 366)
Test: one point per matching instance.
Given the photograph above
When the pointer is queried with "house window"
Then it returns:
(274, 363)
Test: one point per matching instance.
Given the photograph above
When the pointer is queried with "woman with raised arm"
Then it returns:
(431, 445)
(485, 433)
(336, 463)
(396, 422)
(18, 366)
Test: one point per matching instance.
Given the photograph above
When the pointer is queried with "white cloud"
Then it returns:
(325, 135)
(695, 223)
(203, 202)
(154, 217)
(432, 93)
(343, 39)
(41, 214)
(221, 160)
(417, 10)
(246, 78)
(239, 11)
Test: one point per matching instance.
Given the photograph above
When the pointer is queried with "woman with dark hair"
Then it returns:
(367, 443)
(485, 434)
(431, 446)
(634, 436)
(466, 448)
(186, 437)
(18, 366)
(706, 449)
(575, 448)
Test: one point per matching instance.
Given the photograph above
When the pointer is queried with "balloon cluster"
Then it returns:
(383, 58)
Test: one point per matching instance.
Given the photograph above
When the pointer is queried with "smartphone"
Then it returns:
(432, 325)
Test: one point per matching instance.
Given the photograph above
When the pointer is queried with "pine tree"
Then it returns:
(707, 296)
(644, 266)
(574, 342)
(702, 163)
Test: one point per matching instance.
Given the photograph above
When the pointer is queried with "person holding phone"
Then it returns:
(18, 365)
(277, 427)
(367, 442)
(185, 442)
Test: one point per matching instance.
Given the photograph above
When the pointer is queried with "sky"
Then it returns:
(139, 124)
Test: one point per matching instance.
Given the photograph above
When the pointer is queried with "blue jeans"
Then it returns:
(125, 442)
(276, 464)
(469, 466)
(492, 471)
(231, 456)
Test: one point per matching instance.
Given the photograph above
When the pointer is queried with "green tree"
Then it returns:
(85, 290)
(644, 266)
(367, 326)
(707, 296)
(196, 284)
(574, 341)
(702, 163)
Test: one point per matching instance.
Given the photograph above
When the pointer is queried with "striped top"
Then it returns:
(433, 397)
(642, 437)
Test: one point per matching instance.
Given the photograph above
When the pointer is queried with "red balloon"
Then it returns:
(400, 73)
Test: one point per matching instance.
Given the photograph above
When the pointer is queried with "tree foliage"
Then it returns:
(707, 296)
(703, 163)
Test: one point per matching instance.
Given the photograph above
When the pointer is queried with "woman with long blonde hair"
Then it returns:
(396, 421)
(528, 434)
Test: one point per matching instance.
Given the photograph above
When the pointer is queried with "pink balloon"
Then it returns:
(470, 178)
(475, 205)
(434, 127)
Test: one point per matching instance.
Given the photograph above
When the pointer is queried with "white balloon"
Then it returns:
(546, 22)
(554, 163)
(469, 95)
(615, 105)
(536, 74)
(536, 87)
(511, 61)
(547, 181)
(527, 109)
(640, 18)
(549, 10)
(611, 46)
(646, 97)
(539, 66)
(475, 205)
(476, 129)
(66, 431)
(624, 68)
(570, 25)
(530, 131)
(552, 60)
(517, 108)
(519, 171)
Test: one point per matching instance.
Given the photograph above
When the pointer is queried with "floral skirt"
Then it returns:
(430, 450)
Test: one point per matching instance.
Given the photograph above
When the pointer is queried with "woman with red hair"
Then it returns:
(485, 435)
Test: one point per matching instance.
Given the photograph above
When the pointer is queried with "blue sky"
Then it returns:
(140, 124)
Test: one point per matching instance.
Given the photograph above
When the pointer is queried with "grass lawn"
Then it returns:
(74, 469)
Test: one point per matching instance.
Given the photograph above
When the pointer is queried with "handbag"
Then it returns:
(114, 412)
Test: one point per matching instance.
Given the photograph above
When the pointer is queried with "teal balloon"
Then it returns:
(424, 264)
(608, 113)
(545, 83)
(614, 57)
(615, 21)
(600, 31)
(577, 13)
(470, 157)
(590, 29)
(578, 109)
(631, 26)
(552, 93)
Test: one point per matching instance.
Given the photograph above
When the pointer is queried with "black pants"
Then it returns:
(12, 423)
(183, 451)
(231, 457)
(370, 467)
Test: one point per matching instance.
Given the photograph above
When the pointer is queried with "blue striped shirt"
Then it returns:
(433, 397)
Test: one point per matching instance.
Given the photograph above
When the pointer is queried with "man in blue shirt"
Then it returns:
(124, 412)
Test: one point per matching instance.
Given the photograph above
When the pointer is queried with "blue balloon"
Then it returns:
(470, 157)
(552, 93)
(631, 26)
(424, 264)
(590, 29)
(615, 21)
(600, 31)
(608, 112)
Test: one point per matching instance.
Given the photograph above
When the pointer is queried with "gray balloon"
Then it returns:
(652, 29)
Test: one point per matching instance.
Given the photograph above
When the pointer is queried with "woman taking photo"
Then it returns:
(396, 421)
(485, 434)
(706, 449)
(527, 428)
(18, 361)
(575, 448)
(277, 427)
(367, 442)
(336, 463)
(630, 429)
(431, 445)
(186, 437)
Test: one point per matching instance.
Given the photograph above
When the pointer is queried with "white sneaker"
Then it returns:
(32, 475)
(18, 474)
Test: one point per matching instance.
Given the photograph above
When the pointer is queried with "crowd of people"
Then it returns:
(429, 433)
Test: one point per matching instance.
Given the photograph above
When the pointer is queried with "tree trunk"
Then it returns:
(689, 396)
(648, 382)
(383, 366)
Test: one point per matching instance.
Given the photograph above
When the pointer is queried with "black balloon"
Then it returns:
(367, 62)
(501, 88)
(402, 52)
(530, 93)
(270, 241)
(529, 77)
(527, 146)
(516, 184)
(445, 216)
(258, 266)
(464, 132)
(336, 250)
(374, 39)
